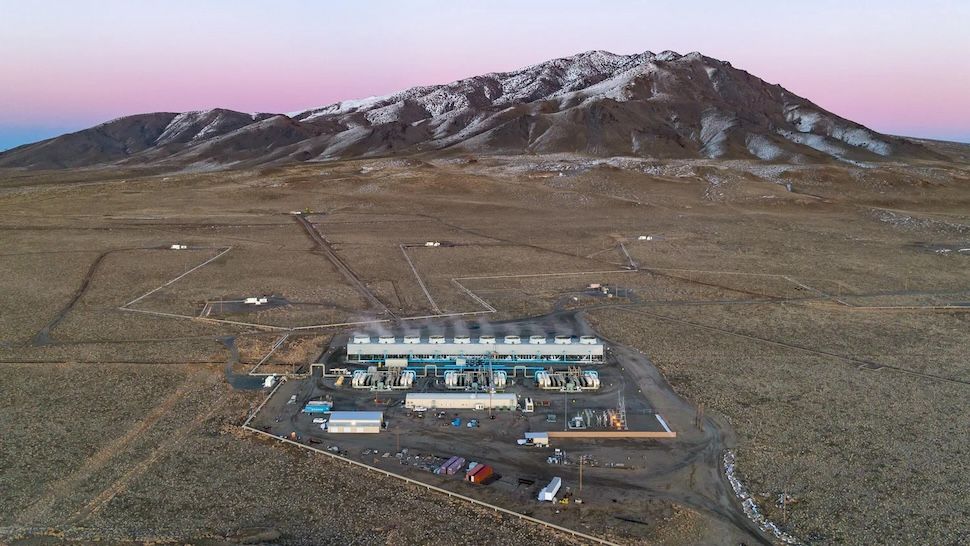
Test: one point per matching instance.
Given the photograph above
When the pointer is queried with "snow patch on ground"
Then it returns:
(749, 505)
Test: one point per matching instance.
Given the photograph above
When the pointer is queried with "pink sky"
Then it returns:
(889, 65)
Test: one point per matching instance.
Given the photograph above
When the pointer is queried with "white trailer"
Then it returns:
(548, 493)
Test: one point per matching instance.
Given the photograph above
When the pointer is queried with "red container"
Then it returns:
(482, 472)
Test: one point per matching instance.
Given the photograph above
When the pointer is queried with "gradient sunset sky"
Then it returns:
(900, 67)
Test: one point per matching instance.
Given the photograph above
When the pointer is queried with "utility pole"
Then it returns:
(565, 410)
(582, 459)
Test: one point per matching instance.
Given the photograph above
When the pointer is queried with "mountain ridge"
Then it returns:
(596, 103)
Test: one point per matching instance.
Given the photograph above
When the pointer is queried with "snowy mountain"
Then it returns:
(596, 103)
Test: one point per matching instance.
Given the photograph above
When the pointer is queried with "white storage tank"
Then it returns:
(407, 379)
(359, 379)
(542, 379)
(462, 340)
(486, 340)
(436, 340)
(564, 340)
(412, 340)
(451, 379)
(537, 340)
(588, 340)
(387, 340)
(499, 379)
(361, 338)
(513, 340)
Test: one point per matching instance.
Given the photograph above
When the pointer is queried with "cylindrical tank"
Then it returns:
(437, 340)
(451, 379)
(407, 379)
(361, 338)
(499, 379)
(412, 340)
(386, 339)
(486, 340)
(564, 340)
(588, 340)
(463, 340)
(537, 340)
(513, 340)
(359, 379)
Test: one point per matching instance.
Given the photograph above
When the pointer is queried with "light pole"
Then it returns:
(565, 410)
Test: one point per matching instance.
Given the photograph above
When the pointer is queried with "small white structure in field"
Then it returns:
(432, 243)
(178, 247)
(256, 301)
(548, 493)
(269, 382)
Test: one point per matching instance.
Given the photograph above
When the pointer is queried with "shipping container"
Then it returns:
(455, 466)
(481, 473)
(444, 467)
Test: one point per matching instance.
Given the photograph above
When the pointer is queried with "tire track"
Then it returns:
(324, 246)
(39, 510)
(121, 484)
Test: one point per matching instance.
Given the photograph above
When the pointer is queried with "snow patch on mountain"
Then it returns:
(714, 132)
(763, 148)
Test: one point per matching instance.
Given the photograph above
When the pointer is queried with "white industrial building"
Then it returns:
(505, 349)
(461, 400)
(355, 421)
